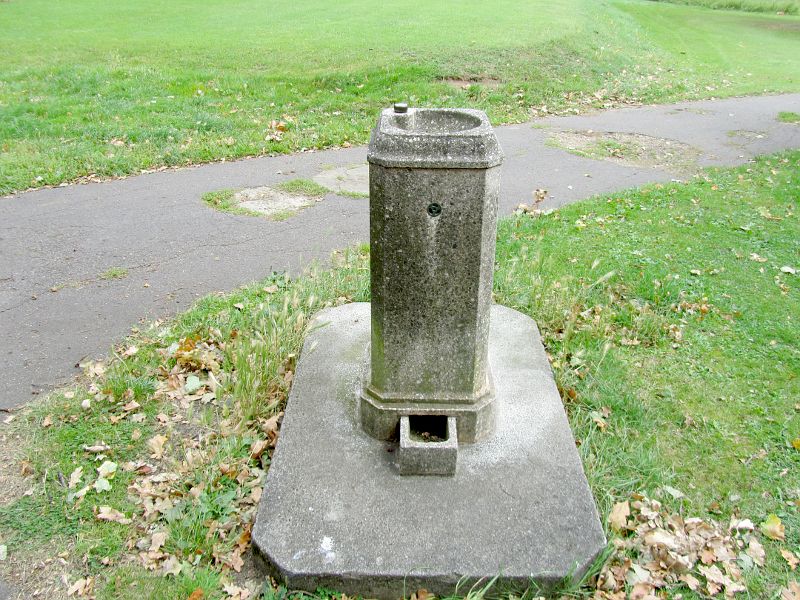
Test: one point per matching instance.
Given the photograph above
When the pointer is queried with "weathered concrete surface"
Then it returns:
(350, 179)
(336, 513)
(271, 202)
(434, 186)
(156, 226)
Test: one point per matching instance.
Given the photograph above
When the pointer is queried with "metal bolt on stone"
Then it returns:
(434, 185)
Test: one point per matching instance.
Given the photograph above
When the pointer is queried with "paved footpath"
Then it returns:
(176, 249)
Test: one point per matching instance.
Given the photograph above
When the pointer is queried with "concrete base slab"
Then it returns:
(336, 512)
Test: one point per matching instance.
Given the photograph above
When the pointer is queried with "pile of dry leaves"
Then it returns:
(658, 550)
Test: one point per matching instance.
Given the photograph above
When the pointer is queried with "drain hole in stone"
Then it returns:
(428, 428)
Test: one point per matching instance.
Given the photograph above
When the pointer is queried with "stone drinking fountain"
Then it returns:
(424, 443)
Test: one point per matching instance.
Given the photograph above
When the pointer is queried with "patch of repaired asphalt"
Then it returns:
(272, 203)
(742, 137)
(631, 149)
(352, 180)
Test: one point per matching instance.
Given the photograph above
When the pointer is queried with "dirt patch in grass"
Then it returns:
(631, 149)
(12, 482)
(791, 25)
(34, 568)
(463, 83)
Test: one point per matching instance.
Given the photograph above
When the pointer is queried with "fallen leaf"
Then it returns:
(75, 478)
(47, 421)
(258, 447)
(742, 525)
(106, 513)
(619, 516)
(756, 551)
(792, 592)
(81, 587)
(79, 494)
(773, 528)
(691, 581)
(675, 493)
(131, 406)
(791, 558)
(198, 594)
(102, 485)
(235, 592)
(107, 470)
(97, 448)
(156, 446)
(234, 561)
(171, 566)
(158, 540)
(193, 384)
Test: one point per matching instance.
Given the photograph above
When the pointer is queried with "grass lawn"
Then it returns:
(670, 317)
(90, 88)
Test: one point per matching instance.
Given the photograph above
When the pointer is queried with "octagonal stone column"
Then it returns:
(434, 186)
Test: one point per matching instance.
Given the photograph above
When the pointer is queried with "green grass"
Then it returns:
(93, 89)
(789, 7)
(223, 200)
(789, 117)
(114, 273)
(669, 314)
(303, 187)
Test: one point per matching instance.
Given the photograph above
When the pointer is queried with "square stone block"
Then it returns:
(436, 455)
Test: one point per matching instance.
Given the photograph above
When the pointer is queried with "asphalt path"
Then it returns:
(56, 309)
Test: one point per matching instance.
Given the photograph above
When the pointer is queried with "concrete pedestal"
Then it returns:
(336, 512)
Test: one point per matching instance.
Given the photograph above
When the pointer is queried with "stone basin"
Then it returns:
(434, 138)
(436, 122)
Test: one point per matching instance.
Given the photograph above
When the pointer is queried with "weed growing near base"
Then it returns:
(669, 314)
